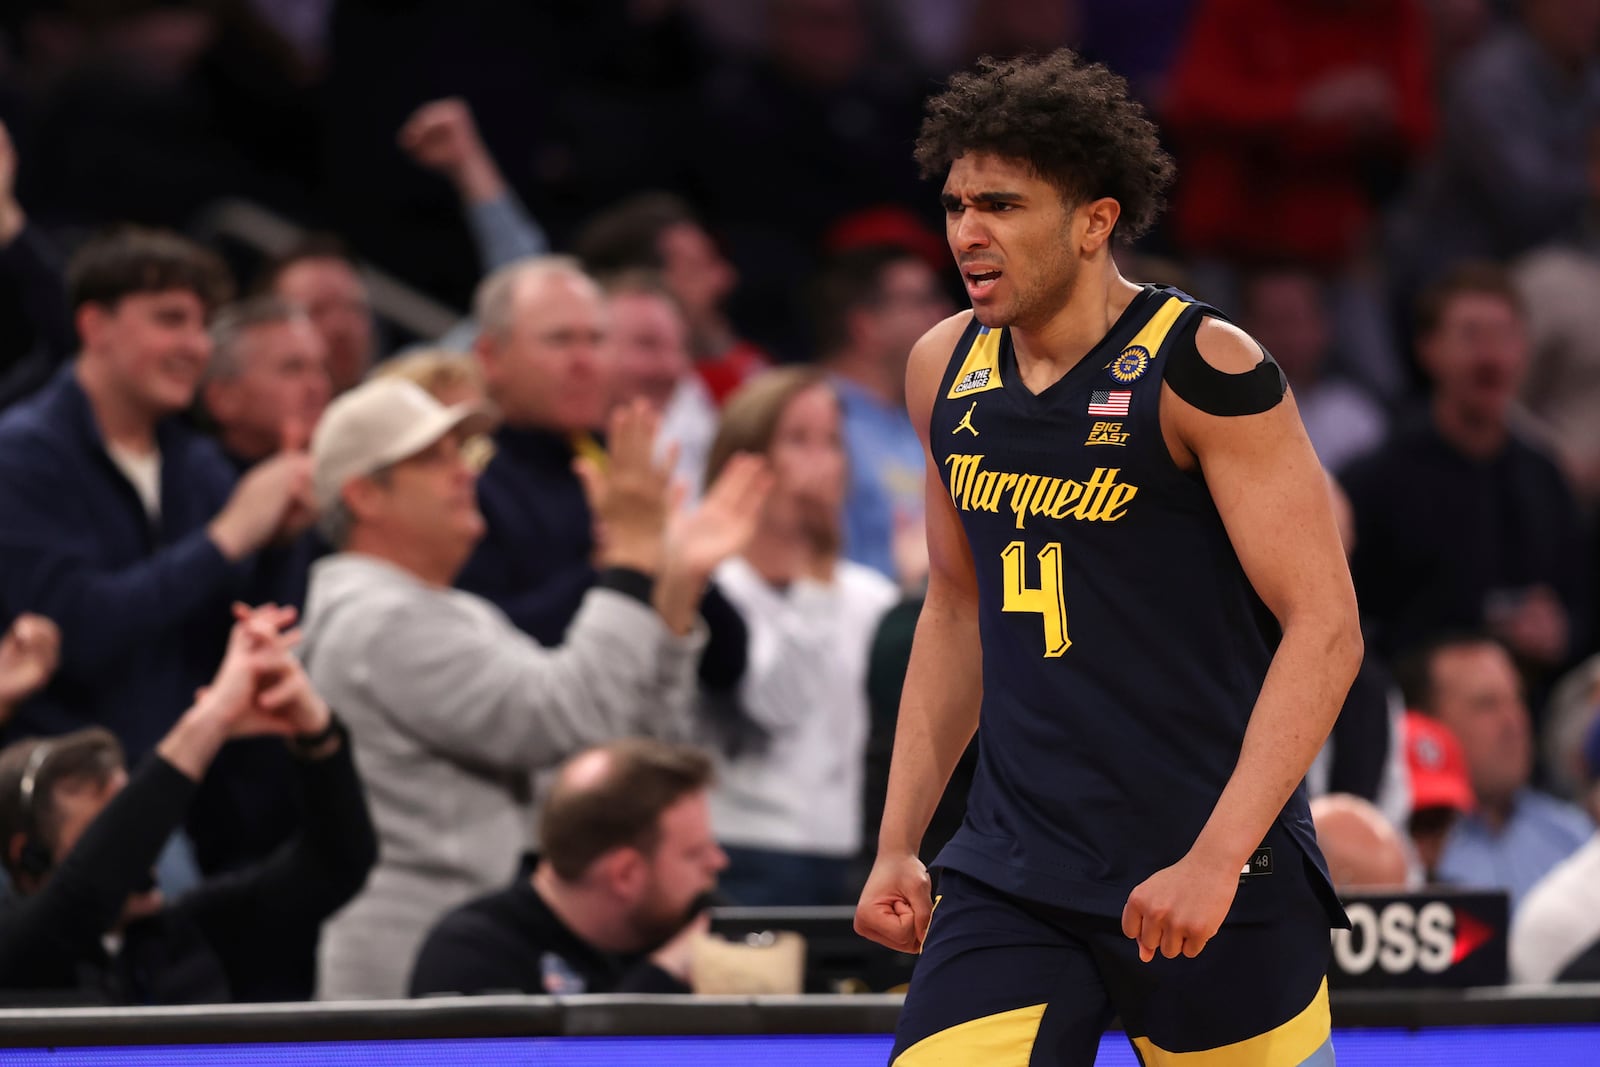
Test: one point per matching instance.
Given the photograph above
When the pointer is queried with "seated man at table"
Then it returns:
(615, 902)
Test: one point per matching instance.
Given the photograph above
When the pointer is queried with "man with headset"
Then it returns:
(79, 835)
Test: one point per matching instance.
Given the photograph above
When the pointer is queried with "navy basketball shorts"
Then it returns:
(1009, 983)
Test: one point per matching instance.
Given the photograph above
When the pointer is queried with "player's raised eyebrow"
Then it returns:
(950, 200)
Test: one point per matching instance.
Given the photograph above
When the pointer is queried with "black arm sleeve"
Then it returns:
(48, 933)
(727, 650)
(1217, 392)
(307, 880)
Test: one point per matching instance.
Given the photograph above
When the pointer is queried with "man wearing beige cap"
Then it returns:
(450, 707)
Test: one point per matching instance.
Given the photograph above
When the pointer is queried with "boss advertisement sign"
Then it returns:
(1426, 940)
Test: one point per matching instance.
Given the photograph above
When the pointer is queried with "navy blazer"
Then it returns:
(142, 605)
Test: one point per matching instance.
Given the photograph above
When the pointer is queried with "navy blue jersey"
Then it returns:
(1123, 647)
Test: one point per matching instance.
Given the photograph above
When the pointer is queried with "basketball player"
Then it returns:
(1136, 576)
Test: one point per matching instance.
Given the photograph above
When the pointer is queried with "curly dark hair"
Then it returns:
(1070, 121)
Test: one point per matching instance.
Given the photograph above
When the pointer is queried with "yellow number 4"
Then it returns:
(1048, 599)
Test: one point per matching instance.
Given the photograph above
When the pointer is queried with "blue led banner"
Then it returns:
(1478, 1046)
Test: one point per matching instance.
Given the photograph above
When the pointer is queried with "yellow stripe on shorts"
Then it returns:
(1003, 1040)
(1287, 1045)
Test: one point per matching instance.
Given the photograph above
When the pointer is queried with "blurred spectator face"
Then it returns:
(649, 346)
(819, 42)
(808, 463)
(682, 868)
(278, 394)
(912, 303)
(1477, 694)
(1286, 314)
(336, 299)
(1477, 356)
(549, 370)
(695, 270)
(427, 501)
(150, 349)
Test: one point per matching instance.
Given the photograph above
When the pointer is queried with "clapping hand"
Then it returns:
(631, 496)
(29, 652)
(697, 541)
(725, 519)
(261, 689)
(295, 438)
(263, 502)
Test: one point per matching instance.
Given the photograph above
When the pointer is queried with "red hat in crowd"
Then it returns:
(1438, 768)
(888, 225)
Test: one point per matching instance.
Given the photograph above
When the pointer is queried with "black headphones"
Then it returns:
(34, 858)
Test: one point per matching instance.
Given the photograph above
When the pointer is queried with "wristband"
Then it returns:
(305, 745)
(628, 582)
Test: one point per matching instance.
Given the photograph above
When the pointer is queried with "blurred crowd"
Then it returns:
(346, 660)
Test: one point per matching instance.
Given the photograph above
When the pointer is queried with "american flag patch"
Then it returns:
(1110, 402)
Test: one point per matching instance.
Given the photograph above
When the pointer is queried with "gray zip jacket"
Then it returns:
(452, 710)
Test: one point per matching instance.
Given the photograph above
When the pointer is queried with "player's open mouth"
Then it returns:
(980, 282)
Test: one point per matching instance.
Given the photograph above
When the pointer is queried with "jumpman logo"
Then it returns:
(966, 422)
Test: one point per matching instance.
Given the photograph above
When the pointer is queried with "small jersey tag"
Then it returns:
(1259, 863)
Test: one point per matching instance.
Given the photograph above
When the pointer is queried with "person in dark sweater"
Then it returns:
(1463, 520)
(543, 323)
(616, 901)
(80, 835)
(123, 525)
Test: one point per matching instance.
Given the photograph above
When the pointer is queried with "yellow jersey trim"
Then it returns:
(1154, 332)
(980, 368)
(980, 371)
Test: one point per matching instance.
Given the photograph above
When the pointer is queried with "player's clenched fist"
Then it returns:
(896, 903)
(1179, 908)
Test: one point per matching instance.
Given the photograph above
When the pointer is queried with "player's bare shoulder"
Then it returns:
(1225, 347)
(1221, 382)
(926, 366)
